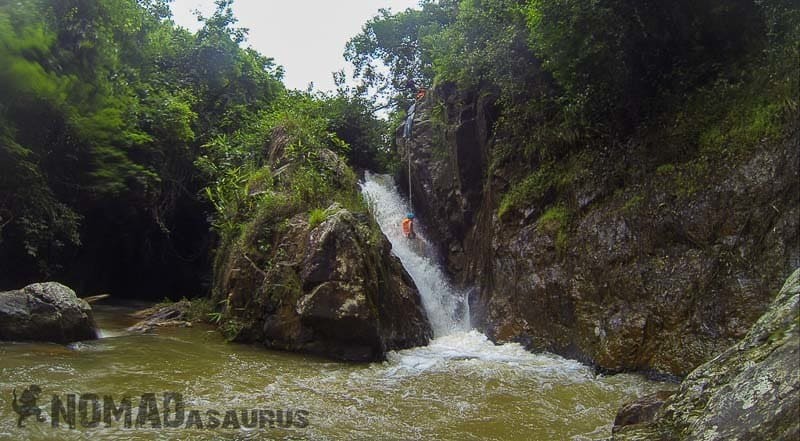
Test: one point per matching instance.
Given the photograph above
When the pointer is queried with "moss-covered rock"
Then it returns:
(304, 267)
(332, 289)
(749, 392)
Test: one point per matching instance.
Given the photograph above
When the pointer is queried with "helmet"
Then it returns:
(410, 215)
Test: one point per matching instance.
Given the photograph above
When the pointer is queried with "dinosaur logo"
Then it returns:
(26, 406)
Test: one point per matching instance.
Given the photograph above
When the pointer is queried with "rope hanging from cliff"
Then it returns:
(410, 200)
(407, 137)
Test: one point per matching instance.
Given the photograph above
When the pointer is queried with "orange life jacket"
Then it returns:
(408, 227)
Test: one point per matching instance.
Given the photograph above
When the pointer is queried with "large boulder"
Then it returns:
(331, 289)
(749, 392)
(45, 312)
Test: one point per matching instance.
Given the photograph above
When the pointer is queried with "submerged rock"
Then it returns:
(749, 392)
(45, 312)
(641, 411)
(331, 289)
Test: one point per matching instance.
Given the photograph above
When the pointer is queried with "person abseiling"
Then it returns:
(408, 226)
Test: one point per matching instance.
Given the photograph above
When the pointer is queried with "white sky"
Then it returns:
(306, 37)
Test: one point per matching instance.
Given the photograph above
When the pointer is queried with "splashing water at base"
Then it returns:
(460, 387)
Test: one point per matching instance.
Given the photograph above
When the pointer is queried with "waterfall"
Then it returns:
(446, 307)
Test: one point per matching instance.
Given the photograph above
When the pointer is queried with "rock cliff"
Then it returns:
(626, 262)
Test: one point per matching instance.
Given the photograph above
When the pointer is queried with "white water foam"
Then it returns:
(475, 352)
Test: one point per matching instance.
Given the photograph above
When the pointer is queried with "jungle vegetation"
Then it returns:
(129, 145)
(126, 141)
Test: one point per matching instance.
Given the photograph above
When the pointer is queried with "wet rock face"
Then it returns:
(338, 292)
(652, 275)
(45, 312)
(749, 392)
(662, 286)
(446, 185)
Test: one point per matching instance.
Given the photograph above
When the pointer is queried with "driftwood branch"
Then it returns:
(255, 267)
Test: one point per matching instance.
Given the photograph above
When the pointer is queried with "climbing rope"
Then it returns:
(406, 138)
(408, 153)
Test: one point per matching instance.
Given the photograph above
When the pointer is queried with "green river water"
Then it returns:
(461, 387)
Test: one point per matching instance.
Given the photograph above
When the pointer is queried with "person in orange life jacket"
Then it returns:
(408, 226)
(411, 87)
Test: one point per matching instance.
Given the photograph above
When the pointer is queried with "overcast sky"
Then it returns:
(306, 37)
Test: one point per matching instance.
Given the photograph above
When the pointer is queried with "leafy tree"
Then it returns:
(617, 55)
(564, 79)
(104, 106)
(390, 50)
(485, 51)
(352, 120)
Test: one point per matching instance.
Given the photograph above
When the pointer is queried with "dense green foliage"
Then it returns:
(120, 134)
(397, 42)
(288, 161)
(124, 139)
(574, 79)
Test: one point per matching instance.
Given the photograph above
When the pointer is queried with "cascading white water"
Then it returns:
(447, 308)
